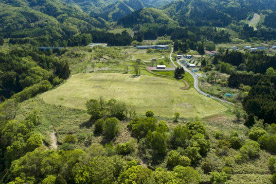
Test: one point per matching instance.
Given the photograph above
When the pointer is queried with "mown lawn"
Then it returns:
(161, 95)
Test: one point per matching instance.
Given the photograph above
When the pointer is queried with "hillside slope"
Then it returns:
(27, 18)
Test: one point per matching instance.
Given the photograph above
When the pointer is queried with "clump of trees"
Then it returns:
(112, 108)
(179, 72)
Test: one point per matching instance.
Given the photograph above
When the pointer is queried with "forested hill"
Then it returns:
(113, 10)
(219, 13)
(48, 20)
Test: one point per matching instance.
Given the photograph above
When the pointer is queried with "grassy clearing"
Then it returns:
(254, 21)
(161, 95)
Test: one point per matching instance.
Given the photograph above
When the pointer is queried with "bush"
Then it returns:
(256, 132)
(268, 142)
(175, 158)
(99, 126)
(273, 178)
(111, 128)
(141, 127)
(187, 175)
(250, 150)
(236, 142)
(71, 139)
(124, 148)
(272, 163)
(149, 114)
(218, 177)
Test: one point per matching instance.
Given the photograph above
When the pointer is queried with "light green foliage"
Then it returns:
(162, 127)
(187, 175)
(176, 116)
(250, 150)
(217, 177)
(135, 174)
(49, 180)
(34, 141)
(256, 132)
(174, 159)
(164, 177)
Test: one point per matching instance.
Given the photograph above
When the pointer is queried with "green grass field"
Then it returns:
(161, 95)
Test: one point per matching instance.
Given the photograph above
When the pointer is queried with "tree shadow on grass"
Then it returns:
(87, 124)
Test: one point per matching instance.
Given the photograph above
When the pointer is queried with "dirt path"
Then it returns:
(53, 137)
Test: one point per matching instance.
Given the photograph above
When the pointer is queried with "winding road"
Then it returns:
(196, 82)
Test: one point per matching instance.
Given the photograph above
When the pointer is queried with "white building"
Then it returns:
(161, 67)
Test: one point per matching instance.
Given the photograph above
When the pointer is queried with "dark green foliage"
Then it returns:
(235, 142)
(1, 41)
(111, 128)
(99, 126)
(272, 164)
(149, 114)
(179, 72)
(141, 127)
(99, 109)
(135, 174)
(217, 177)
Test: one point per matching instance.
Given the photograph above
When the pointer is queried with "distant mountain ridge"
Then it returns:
(113, 10)
(216, 13)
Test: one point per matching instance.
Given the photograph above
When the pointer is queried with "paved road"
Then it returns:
(196, 83)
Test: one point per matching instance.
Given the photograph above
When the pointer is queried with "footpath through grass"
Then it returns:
(161, 95)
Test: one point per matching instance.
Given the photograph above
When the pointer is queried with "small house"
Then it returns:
(188, 56)
(253, 49)
(261, 48)
(191, 65)
(235, 48)
(161, 67)
(247, 47)
(179, 56)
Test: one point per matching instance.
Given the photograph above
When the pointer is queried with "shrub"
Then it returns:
(181, 135)
(99, 126)
(124, 148)
(175, 158)
(111, 128)
(141, 127)
(149, 114)
(218, 177)
(187, 175)
(272, 163)
(236, 142)
(250, 150)
(193, 154)
(273, 178)
(70, 139)
(256, 132)
(196, 127)
(227, 170)
(268, 142)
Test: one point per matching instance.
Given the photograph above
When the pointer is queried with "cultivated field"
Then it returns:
(161, 95)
